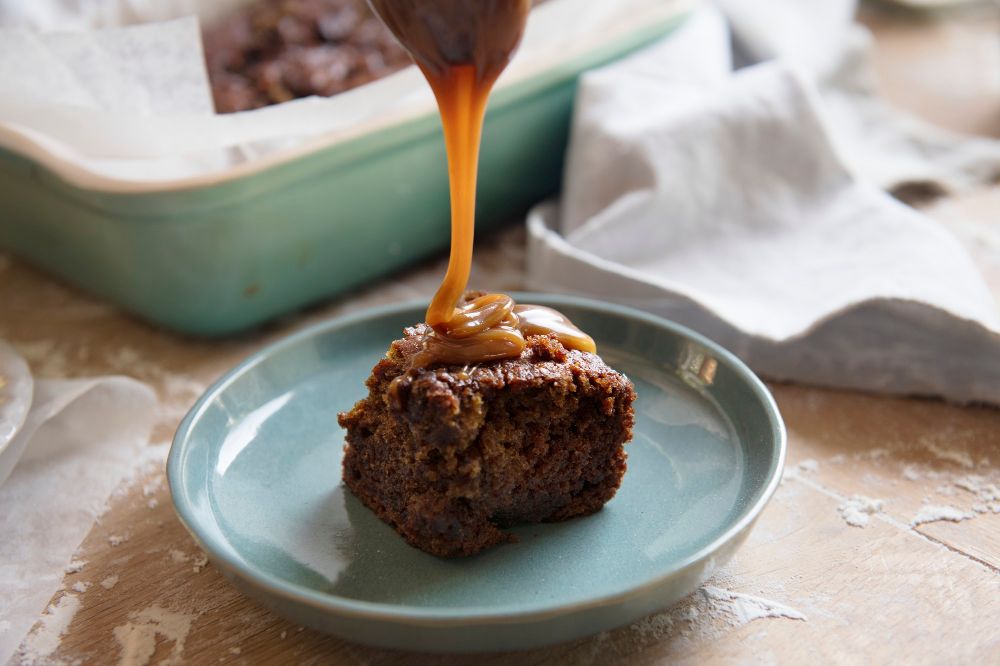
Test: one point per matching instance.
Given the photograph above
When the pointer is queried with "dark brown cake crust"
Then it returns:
(448, 456)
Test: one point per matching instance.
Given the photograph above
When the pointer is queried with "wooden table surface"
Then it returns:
(885, 593)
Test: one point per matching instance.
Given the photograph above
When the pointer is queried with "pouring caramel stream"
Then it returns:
(462, 46)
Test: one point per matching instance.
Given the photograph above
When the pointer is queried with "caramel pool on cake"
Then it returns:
(491, 413)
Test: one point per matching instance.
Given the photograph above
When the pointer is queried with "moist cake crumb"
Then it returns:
(450, 456)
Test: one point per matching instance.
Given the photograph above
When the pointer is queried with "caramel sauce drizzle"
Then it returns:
(462, 46)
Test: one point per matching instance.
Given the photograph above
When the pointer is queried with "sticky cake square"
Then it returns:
(450, 456)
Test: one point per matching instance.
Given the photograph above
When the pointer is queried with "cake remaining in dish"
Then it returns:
(448, 456)
(273, 51)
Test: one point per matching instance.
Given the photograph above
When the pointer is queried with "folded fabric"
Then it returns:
(720, 199)
(80, 439)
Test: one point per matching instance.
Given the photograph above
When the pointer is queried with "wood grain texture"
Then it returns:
(945, 66)
(884, 593)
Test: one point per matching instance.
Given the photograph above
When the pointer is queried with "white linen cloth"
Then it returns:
(81, 438)
(747, 204)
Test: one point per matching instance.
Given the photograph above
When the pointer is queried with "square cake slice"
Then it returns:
(449, 456)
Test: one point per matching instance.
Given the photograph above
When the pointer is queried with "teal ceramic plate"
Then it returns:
(255, 476)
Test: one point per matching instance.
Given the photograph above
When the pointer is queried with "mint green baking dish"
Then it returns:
(218, 257)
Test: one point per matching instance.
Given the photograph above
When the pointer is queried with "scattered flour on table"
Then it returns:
(838, 459)
(150, 459)
(125, 357)
(117, 539)
(593, 652)
(43, 357)
(985, 490)
(235, 650)
(857, 510)
(874, 454)
(933, 513)
(705, 614)
(151, 487)
(656, 626)
(137, 638)
(808, 465)
(199, 561)
(109, 582)
(980, 487)
(76, 566)
(178, 390)
(44, 640)
(949, 454)
(81, 586)
(745, 608)
(178, 556)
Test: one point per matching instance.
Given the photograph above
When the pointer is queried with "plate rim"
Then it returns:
(466, 615)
